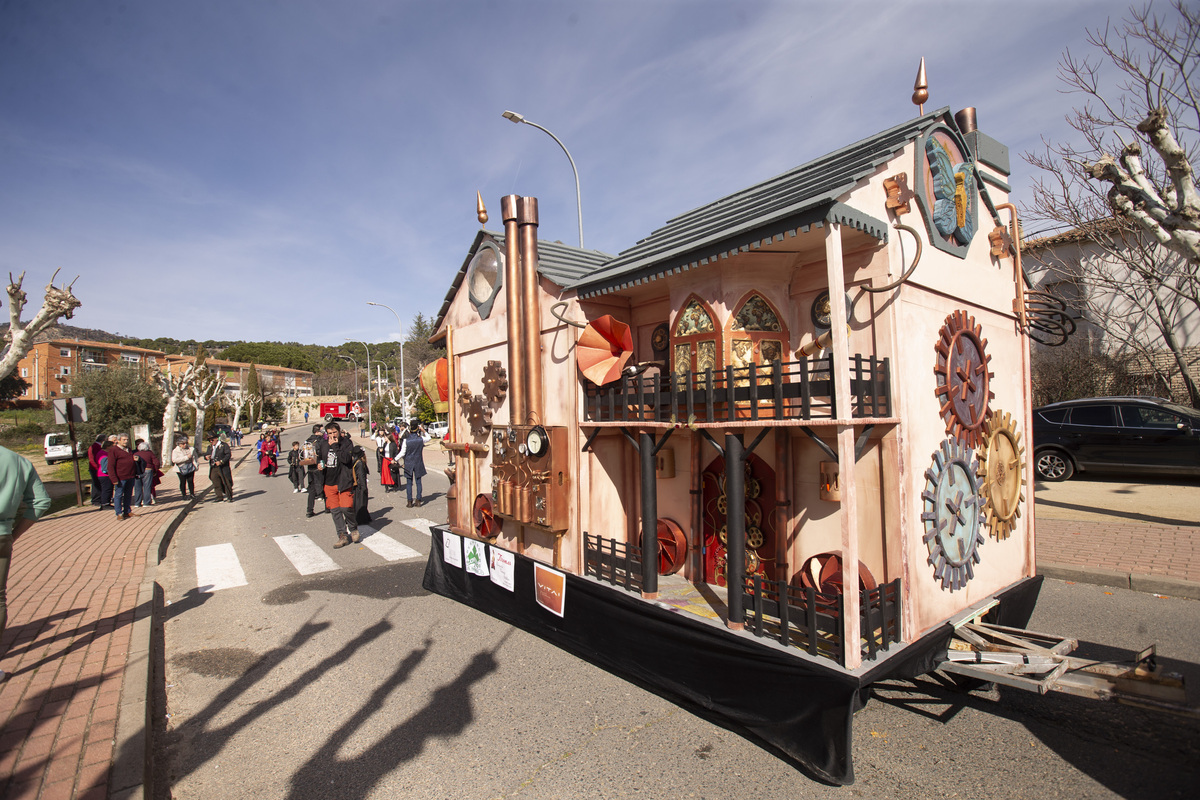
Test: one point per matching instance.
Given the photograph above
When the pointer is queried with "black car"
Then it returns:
(1118, 434)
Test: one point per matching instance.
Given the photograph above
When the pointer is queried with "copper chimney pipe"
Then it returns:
(512, 294)
(527, 211)
(965, 120)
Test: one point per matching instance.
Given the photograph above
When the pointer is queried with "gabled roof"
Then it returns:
(557, 262)
(760, 214)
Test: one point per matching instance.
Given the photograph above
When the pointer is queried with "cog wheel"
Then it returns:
(1002, 473)
(495, 382)
(952, 511)
(464, 395)
(963, 377)
(479, 415)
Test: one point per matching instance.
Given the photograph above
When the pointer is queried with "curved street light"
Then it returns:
(351, 358)
(403, 398)
(364, 344)
(516, 118)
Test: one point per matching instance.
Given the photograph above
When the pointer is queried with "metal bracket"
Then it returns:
(828, 450)
(587, 445)
(757, 441)
(861, 444)
(704, 432)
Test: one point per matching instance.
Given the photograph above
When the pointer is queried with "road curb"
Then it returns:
(1149, 584)
(134, 752)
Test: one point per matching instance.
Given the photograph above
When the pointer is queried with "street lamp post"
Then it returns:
(364, 344)
(403, 398)
(351, 358)
(514, 117)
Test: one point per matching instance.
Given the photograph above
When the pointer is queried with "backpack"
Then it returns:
(308, 453)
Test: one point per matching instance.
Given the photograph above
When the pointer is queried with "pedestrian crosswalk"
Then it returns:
(218, 566)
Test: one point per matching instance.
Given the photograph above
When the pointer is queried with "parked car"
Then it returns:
(58, 448)
(437, 430)
(1117, 434)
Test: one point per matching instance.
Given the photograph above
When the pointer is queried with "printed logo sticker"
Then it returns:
(551, 589)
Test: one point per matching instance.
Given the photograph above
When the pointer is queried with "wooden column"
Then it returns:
(851, 633)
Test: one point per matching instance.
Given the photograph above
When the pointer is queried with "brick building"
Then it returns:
(51, 367)
(280, 381)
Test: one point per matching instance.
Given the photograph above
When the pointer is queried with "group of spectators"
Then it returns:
(397, 451)
(123, 477)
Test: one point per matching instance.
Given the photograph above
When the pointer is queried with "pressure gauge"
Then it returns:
(512, 435)
(537, 442)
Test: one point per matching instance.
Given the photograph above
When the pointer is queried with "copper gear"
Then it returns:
(495, 383)
(479, 415)
(1001, 473)
(963, 378)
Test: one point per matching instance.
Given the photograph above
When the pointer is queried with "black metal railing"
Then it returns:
(812, 620)
(614, 562)
(780, 390)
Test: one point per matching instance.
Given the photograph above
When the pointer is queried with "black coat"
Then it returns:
(338, 461)
(362, 483)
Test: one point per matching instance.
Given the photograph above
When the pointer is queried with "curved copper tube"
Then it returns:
(907, 272)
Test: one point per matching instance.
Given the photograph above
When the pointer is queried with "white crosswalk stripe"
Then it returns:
(385, 546)
(419, 525)
(306, 555)
(217, 567)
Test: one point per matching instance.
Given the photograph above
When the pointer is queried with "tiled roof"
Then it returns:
(760, 214)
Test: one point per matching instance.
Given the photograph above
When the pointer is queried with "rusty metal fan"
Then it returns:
(604, 347)
(483, 518)
(672, 547)
(823, 572)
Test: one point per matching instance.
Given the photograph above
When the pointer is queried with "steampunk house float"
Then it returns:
(767, 455)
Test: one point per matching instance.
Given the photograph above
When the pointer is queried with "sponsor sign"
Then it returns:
(502, 567)
(452, 549)
(550, 587)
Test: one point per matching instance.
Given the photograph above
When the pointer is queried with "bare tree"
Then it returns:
(1151, 125)
(58, 304)
(205, 390)
(1135, 214)
(238, 401)
(174, 387)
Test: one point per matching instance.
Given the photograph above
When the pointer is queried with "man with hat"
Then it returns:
(220, 474)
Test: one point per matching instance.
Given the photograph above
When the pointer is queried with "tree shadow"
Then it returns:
(30, 630)
(448, 713)
(84, 635)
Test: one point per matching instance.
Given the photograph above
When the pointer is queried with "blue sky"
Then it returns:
(259, 170)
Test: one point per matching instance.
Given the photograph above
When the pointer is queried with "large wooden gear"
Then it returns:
(479, 415)
(952, 510)
(963, 377)
(1002, 473)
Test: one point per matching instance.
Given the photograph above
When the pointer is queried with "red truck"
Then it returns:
(350, 409)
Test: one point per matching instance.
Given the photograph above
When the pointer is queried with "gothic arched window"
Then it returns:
(695, 339)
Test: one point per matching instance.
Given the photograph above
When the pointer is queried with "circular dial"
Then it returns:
(660, 338)
(1002, 471)
(952, 514)
(536, 442)
(820, 310)
(963, 377)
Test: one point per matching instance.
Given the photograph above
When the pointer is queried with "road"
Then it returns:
(355, 683)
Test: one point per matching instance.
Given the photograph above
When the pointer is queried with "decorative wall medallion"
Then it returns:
(660, 340)
(820, 310)
(952, 513)
(963, 377)
(946, 189)
(485, 278)
(1002, 473)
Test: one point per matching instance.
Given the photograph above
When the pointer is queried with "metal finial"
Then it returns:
(920, 88)
(480, 210)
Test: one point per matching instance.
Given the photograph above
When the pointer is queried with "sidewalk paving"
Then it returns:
(81, 597)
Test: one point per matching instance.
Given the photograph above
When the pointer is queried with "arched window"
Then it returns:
(695, 339)
(756, 335)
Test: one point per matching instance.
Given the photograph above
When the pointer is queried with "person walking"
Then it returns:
(362, 485)
(94, 451)
(295, 471)
(122, 466)
(337, 468)
(380, 437)
(316, 485)
(143, 487)
(184, 459)
(389, 469)
(19, 486)
(106, 480)
(305, 417)
(220, 474)
(414, 462)
(268, 460)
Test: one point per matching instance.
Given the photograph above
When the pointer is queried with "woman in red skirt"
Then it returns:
(386, 475)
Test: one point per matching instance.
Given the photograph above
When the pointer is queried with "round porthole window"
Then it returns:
(485, 276)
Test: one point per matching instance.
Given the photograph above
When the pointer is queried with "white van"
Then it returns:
(58, 448)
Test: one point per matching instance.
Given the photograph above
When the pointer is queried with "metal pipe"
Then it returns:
(649, 516)
(512, 294)
(531, 318)
(735, 528)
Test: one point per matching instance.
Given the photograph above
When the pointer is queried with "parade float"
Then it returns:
(770, 454)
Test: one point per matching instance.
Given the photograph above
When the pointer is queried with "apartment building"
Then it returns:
(280, 381)
(51, 367)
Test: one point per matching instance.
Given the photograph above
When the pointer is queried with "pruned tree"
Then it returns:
(207, 387)
(253, 394)
(238, 401)
(57, 304)
(174, 386)
(1127, 189)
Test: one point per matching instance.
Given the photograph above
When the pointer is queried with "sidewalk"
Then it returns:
(81, 598)
(76, 649)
